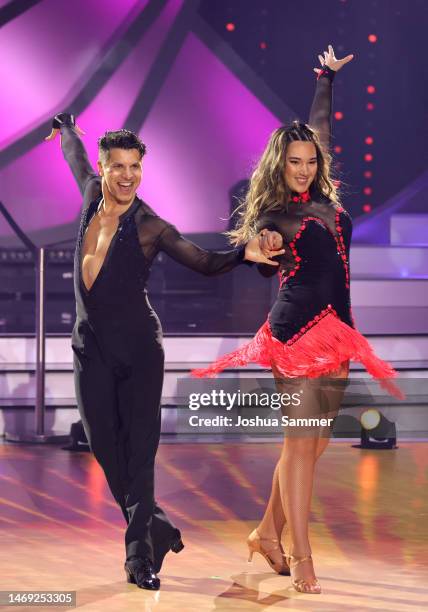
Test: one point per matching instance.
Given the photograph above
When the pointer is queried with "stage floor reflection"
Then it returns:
(61, 530)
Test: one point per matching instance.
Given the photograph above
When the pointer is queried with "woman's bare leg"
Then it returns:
(273, 521)
(296, 472)
(292, 485)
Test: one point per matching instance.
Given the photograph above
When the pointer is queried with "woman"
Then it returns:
(310, 333)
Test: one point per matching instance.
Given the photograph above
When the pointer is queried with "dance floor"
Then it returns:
(60, 529)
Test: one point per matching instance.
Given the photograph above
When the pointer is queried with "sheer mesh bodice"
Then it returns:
(314, 270)
(287, 221)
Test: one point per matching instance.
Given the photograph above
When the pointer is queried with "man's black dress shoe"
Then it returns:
(139, 571)
(175, 544)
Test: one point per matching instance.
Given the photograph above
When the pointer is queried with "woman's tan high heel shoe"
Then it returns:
(271, 550)
(300, 584)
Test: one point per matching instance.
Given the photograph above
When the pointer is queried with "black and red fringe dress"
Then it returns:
(310, 330)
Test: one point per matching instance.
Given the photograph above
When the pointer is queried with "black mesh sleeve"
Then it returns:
(320, 114)
(190, 255)
(75, 155)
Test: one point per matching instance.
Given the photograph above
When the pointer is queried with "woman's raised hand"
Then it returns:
(330, 60)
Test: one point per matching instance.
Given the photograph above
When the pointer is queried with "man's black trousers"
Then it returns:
(118, 381)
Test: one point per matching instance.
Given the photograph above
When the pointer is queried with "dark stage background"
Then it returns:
(204, 83)
(279, 40)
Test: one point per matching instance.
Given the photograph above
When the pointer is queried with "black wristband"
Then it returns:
(327, 73)
(63, 119)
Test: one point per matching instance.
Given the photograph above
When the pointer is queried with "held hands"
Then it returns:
(329, 59)
(262, 247)
(63, 119)
(270, 241)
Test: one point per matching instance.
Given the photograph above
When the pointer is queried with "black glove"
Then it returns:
(63, 119)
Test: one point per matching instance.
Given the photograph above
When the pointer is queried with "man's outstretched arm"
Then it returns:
(211, 263)
(75, 154)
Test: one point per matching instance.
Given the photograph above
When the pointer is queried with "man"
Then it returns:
(117, 338)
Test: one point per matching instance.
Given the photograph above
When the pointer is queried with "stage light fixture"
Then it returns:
(230, 27)
(367, 190)
(370, 418)
(369, 140)
(368, 174)
(338, 115)
(367, 208)
(377, 432)
(372, 38)
(370, 106)
(338, 149)
(368, 157)
(371, 89)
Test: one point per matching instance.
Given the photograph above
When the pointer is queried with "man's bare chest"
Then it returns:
(99, 235)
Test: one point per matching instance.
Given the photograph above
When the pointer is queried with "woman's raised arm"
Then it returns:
(320, 114)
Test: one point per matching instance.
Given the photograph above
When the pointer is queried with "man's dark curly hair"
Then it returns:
(121, 139)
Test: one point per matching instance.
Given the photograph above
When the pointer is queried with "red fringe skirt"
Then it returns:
(319, 351)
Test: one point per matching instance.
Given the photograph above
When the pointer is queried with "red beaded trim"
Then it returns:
(341, 245)
(297, 259)
(339, 241)
(311, 323)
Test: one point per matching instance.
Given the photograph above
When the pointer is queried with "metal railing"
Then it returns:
(39, 254)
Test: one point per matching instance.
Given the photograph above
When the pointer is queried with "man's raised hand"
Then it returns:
(63, 119)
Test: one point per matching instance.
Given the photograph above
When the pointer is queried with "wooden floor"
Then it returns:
(60, 529)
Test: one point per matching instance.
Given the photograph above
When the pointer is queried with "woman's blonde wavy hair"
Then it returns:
(268, 189)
